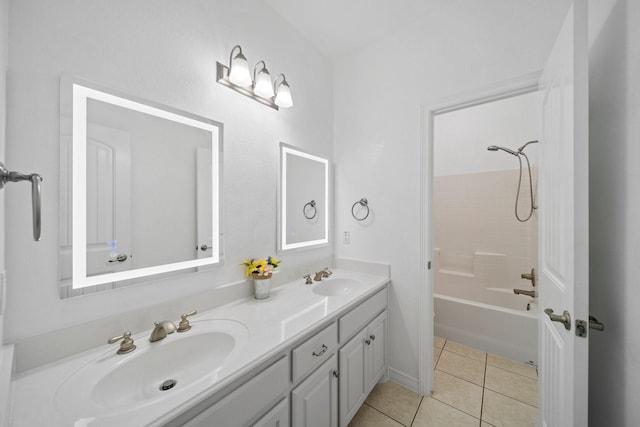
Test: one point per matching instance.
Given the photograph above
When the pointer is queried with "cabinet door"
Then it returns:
(276, 417)
(314, 403)
(353, 377)
(376, 360)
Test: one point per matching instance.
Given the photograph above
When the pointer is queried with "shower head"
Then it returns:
(530, 142)
(496, 148)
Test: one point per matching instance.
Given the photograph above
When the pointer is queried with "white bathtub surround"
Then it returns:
(292, 310)
(482, 284)
(476, 230)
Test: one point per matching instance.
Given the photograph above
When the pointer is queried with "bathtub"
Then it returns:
(498, 322)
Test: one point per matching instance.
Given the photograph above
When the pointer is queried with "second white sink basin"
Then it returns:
(181, 362)
(337, 286)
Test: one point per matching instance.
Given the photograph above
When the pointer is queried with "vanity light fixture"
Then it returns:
(239, 68)
(283, 92)
(262, 81)
(260, 88)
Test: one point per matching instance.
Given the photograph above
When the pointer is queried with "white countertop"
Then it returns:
(272, 325)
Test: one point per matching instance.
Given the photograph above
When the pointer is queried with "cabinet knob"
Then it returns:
(373, 337)
(336, 374)
(368, 342)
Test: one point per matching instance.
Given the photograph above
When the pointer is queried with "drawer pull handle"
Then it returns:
(373, 337)
(336, 374)
(321, 352)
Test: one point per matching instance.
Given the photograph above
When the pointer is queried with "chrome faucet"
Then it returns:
(161, 330)
(531, 294)
(325, 272)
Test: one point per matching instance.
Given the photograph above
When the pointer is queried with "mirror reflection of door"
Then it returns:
(108, 200)
(204, 230)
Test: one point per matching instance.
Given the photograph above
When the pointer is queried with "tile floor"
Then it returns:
(471, 388)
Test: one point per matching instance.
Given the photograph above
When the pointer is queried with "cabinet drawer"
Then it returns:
(357, 318)
(314, 351)
(248, 401)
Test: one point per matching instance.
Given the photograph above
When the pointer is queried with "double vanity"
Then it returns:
(307, 356)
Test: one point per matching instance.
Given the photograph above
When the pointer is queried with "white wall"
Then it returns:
(614, 182)
(164, 51)
(465, 45)
(461, 137)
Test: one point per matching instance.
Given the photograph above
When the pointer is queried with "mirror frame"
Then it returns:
(81, 91)
(283, 246)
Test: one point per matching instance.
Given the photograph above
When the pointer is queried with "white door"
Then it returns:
(563, 225)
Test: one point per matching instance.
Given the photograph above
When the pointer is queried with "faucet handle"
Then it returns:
(327, 271)
(307, 279)
(126, 346)
(184, 325)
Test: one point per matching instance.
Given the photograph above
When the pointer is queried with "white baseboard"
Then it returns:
(403, 379)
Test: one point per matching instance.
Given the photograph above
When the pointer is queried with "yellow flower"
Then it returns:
(271, 260)
(260, 266)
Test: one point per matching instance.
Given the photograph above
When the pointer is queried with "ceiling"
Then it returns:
(337, 27)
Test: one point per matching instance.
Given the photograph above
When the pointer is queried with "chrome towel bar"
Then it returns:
(365, 204)
(36, 208)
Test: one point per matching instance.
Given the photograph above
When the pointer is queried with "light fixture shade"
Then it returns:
(283, 94)
(263, 86)
(239, 73)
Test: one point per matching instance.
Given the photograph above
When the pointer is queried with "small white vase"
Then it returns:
(261, 286)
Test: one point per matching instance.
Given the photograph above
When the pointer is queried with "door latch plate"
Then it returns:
(581, 328)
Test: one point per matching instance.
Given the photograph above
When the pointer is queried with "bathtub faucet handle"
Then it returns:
(530, 276)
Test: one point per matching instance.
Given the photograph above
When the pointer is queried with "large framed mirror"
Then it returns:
(303, 205)
(139, 189)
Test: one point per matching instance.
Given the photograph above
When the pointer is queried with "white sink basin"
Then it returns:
(337, 286)
(185, 362)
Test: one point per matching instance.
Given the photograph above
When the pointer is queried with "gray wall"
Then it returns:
(4, 35)
(164, 51)
(614, 182)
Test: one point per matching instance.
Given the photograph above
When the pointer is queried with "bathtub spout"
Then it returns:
(531, 294)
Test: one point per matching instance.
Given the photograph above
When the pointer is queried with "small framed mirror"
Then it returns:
(139, 189)
(303, 205)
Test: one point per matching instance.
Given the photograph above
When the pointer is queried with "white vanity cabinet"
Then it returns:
(322, 380)
(314, 403)
(362, 363)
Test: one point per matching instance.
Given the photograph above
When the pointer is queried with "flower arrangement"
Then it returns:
(260, 268)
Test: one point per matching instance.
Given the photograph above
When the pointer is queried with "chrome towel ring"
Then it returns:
(313, 206)
(365, 204)
(8, 176)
